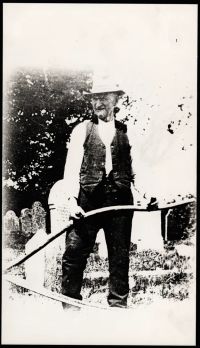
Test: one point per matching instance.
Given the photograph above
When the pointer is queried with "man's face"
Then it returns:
(103, 105)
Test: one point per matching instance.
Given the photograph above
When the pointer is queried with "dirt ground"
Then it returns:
(33, 319)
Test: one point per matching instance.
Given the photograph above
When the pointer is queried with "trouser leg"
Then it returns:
(118, 235)
(79, 244)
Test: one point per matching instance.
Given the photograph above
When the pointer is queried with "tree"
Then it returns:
(42, 107)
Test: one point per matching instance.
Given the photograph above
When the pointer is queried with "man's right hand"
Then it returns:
(76, 212)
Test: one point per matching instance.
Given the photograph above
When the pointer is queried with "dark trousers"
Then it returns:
(80, 242)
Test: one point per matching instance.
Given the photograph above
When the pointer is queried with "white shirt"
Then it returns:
(106, 132)
(76, 152)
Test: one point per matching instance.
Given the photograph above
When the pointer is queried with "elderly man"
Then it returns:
(98, 173)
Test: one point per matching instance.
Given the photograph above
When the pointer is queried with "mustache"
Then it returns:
(100, 108)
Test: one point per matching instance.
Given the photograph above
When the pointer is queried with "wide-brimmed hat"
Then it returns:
(104, 86)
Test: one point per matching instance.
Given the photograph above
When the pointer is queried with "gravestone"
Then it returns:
(180, 220)
(9, 237)
(59, 218)
(26, 222)
(146, 231)
(11, 222)
(10, 228)
(38, 217)
(33, 222)
(35, 266)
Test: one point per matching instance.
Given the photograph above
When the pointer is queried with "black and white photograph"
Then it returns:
(99, 174)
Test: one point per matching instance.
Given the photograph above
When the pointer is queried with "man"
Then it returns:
(98, 173)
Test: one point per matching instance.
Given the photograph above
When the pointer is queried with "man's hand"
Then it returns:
(76, 212)
(153, 204)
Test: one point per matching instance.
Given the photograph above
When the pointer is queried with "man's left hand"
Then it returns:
(153, 204)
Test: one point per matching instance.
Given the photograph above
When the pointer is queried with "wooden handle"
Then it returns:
(70, 224)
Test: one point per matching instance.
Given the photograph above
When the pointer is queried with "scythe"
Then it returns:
(70, 225)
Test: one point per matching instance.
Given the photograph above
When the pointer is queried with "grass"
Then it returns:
(152, 274)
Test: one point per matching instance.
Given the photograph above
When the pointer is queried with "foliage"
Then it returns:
(41, 109)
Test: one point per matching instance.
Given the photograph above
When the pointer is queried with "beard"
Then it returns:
(104, 115)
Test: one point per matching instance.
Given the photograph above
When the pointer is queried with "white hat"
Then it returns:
(105, 85)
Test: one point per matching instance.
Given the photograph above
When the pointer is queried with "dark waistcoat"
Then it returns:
(93, 164)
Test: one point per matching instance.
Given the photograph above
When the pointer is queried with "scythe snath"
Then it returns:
(70, 225)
